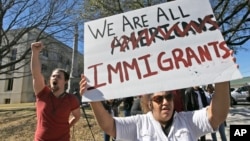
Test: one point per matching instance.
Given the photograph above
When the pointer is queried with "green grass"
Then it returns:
(16, 106)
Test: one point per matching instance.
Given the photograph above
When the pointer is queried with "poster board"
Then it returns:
(169, 46)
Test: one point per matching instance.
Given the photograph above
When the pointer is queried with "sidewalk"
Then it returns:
(237, 115)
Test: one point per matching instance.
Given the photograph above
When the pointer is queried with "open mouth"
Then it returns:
(54, 83)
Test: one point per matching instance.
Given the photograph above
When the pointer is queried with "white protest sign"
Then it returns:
(169, 46)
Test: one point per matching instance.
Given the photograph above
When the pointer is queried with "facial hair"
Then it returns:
(54, 88)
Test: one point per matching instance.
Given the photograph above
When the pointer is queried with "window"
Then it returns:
(13, 58)
(68, 62)
(13, 54)
(45, 53)
(12, 67)
(7, 101)
(60, 58)
(44, 68)
(10, 84)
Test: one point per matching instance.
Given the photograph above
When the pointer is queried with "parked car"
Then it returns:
(240, 94)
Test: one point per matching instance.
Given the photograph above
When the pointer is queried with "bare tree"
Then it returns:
(19, 17)
(232, 15)
(57, 18)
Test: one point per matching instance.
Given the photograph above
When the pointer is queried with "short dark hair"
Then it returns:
(66, 74)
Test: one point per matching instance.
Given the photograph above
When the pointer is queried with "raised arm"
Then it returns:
(104, 119)
(220, 103)
(35, 66)
(219, 106)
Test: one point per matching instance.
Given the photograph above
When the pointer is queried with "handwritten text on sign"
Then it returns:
(163, 47)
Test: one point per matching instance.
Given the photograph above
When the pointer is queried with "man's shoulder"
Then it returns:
(46, 90)
(71, 96)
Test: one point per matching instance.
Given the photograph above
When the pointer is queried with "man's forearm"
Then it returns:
(35, 64)
(72, 121)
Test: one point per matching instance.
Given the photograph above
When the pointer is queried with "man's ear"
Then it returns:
(66, 85)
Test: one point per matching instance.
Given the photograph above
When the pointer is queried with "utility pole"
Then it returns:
(74, 76)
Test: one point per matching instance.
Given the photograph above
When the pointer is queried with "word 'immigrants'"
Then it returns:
(180, 57)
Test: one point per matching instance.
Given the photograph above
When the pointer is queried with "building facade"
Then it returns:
(17, 89)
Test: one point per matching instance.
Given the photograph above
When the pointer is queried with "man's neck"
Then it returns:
(58, 93)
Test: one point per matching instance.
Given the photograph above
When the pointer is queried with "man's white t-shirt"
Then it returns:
(187, 126)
